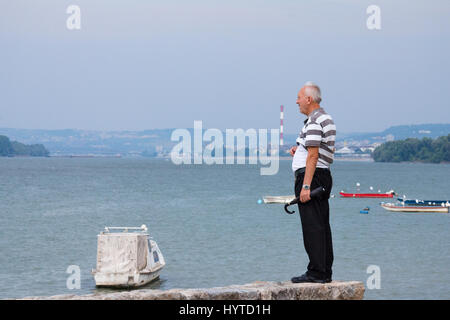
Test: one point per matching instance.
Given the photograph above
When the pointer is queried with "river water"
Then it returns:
(209, 226)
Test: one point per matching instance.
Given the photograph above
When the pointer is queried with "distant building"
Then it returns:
(377, 144)
(367, 149)
(344, 150)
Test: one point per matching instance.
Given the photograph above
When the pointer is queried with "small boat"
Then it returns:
(389, 194)
(423, 202)
(278, 199)
(127, 259)
(404, 208)
(365, 210)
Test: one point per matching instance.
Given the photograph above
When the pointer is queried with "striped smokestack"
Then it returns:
(281, 124)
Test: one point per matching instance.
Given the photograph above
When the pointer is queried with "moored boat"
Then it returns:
(127, 259)
(405, 208)
(389, 194)
(417, 202)
(278, 199)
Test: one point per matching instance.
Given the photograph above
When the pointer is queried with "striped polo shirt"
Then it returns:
(318, 131)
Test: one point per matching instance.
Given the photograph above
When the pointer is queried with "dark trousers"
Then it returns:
(315, 219)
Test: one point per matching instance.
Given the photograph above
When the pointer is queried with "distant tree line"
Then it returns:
(13, 148)
(412, 149)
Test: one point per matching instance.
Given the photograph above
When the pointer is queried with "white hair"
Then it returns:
(312, 90)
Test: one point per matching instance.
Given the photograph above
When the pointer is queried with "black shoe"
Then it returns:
(304, 278)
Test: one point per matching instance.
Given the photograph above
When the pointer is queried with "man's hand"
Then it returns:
(305, 195)
(292, 150)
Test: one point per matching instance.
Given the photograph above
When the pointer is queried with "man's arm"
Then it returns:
(311, 162)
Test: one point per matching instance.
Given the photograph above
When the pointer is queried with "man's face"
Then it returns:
(302, 101)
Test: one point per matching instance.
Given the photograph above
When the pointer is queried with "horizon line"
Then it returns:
(163, 129)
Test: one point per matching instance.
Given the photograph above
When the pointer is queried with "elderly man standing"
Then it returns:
(313, 156)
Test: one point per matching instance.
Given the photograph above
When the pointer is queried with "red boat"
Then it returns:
(367, 195)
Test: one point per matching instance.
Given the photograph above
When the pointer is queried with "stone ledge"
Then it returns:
(259, 290)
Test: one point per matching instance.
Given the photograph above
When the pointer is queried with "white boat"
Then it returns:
(278, 199)
(128, 258)
(402, 208)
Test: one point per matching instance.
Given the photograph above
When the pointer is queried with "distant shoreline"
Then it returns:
(284, 158)
(340, 159)
(355, 159)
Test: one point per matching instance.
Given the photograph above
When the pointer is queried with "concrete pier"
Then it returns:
(259, 290)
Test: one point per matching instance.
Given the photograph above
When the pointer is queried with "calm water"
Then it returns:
(209, 227)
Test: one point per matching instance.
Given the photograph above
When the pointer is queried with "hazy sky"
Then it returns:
(138, 64)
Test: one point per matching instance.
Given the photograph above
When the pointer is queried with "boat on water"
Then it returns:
(414, 208)
(278, 199)
(389, 194)
(127, 257)
(365, 210)
(417, 202)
